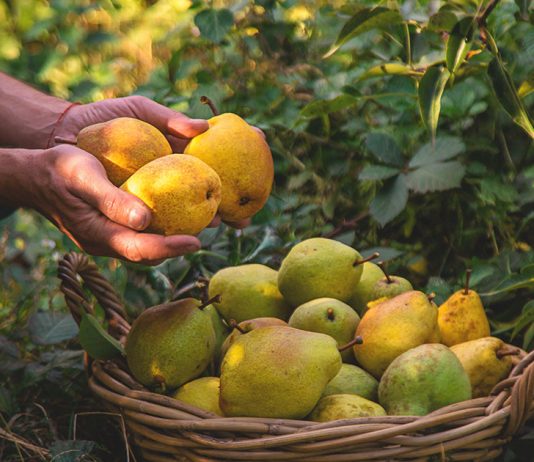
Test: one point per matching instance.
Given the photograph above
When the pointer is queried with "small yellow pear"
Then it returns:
(123, 146)
(462, 317)
(242, 159)
(486, 360)
(344, 406)
(203, 393)
(182, 192)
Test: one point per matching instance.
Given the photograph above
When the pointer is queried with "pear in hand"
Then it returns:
(363, 292)
(203, 393)
(353, 380)
(422, 380)
(243, 160)
(328, 316)
(336, 407)
(123, 146)
(394, 326)
(487, 361)
(277, 371)
(248, 292)
(170, 344)
(462, 317)
(317, 268)
(182, 192)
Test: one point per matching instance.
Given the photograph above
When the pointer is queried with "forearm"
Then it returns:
(15, 169)
(27, 116)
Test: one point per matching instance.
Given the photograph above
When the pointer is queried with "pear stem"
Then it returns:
(385, 271)
(467, 278)
(61, 140)
(431, 296)
(330, 314)
(210, 103)
(358, 340)
(216, 299)
(234, 325)
(365, 260)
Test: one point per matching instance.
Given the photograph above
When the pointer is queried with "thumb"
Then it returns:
(117, 205)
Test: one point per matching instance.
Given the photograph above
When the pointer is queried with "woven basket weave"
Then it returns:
(165, 429)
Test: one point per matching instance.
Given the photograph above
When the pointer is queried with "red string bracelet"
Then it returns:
(59, 119)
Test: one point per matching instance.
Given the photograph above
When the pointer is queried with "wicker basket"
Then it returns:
(165, 429)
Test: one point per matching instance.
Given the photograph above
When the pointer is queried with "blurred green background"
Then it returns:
(351, 136)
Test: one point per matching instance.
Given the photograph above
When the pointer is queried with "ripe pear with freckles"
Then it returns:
(242, 158)
(462, 317)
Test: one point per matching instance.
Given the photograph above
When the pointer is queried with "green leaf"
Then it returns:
(71, 450)
(49, 328)
(377, 172)
(458, 43)
(513, 282)
(96, 341)
(505, 91)
(436, 177)
(390, 200)
(526, 318)
(389, 69)
(384, 148)
(364, 21)
(430, 91)
(526, 88)
(443, 21)
(214, 24)
(321, 107)
(445, 147)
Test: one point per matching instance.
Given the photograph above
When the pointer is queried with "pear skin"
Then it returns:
(182, 192)
(344, 406)
(392, 327)
(221, 331)
(123, 146)
(203, 393)
(242, 159)
(462, 317)
(278, 372)
(170, 344)
(363, 291)
(317, 268)
(353, 380)
(486, 360)
(328, 316)
(422, 380)
(248, 292)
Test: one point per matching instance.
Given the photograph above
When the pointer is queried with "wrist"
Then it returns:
(15, 176)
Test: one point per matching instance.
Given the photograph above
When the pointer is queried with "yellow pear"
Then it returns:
(462, 317)
(344, 406)
(394, 326)
(243, 160)
(123, 146)
(182, 192)
(486, 360)
(203, 393)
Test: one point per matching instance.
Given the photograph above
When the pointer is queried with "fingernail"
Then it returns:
(191, 248)
(138, 219)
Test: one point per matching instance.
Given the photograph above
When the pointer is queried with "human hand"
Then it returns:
(70, 187)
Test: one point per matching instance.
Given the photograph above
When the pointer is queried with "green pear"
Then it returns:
(328, 316)
(170, 344)
(389, 286)
(363, 292)
(248, 292)
(220, 328)
(203, 393)
(422, 380)
(487, 361)
(278, 372)
(353, 380)
(394, 326)
(317, 268)
(344, 406)
(246, 326)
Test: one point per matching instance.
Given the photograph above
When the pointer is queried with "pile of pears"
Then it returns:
(227, 170)
(328, 336)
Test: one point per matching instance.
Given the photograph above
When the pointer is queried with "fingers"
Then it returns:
(91, 184)
(215, 222)
(168, 121)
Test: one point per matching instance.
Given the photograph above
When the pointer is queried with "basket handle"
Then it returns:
(75, 264)
(522, 395)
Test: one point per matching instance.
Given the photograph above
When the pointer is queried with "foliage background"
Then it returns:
(353, 160)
